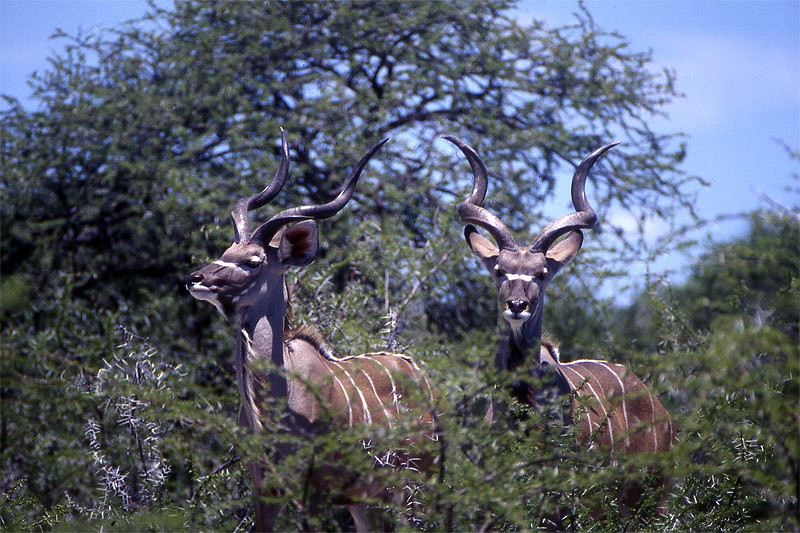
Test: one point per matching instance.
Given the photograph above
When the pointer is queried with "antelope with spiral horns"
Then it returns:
(611, 406)
(289, 380)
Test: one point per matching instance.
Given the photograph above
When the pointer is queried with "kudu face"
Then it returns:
(521, 273)
(247, 271)
(252, 268)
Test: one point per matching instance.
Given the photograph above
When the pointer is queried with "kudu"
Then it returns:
(611, 406)
(289, 379)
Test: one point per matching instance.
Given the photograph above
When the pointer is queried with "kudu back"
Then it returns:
(289, 380)
(611, 406)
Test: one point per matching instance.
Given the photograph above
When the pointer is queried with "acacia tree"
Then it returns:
(144, 136)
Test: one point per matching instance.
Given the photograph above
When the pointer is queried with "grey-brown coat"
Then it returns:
(289, 380)
(612, 407)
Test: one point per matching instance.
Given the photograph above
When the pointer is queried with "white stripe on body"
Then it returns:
(605, 365)
(375, 357)
(587, 361)
(420, 374)
(346, 396)
(395, 395)
(360, 394)
(377, 397)
(575, 387)
(586, 383)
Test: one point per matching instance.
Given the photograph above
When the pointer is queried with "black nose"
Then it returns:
(516, 306)
(194, 277)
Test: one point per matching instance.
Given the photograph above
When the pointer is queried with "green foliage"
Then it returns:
(742, 435)
(144, 137)
(725, 354)
(755, 278)
(121, 180)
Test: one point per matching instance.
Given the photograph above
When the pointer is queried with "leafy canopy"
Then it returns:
(144, 137)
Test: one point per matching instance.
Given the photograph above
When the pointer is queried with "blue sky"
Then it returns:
(738, 65)
(737, 62)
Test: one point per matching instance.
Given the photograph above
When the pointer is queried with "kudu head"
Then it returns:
(521, 273)
(252, 268)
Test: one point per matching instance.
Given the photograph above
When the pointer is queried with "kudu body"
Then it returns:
(611, 406)
(289, 380)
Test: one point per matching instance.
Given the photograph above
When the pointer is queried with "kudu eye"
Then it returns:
(542, 275)
(254, 261)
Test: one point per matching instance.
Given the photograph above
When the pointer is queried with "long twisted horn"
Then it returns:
(584, 216)
(472, 210)
(245, 205)
(268, 229)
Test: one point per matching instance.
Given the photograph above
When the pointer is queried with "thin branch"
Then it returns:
(419, 282)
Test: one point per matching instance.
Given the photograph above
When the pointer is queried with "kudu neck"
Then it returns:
(260, 356)
(520, 348)
(264, 324)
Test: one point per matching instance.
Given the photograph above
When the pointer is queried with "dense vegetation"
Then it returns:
(118, 398)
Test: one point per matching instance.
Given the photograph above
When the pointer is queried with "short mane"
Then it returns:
(314, 338)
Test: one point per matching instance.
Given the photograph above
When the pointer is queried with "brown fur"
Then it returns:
(611, 407)
(291, 383)
(614, 409)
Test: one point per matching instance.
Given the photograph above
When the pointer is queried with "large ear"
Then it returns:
(563, 251)
(482, 247)
(299, 244)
